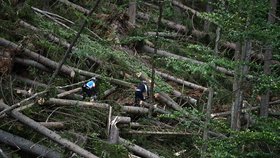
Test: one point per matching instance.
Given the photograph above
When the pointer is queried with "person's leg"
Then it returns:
(84, 93)
(137, 98)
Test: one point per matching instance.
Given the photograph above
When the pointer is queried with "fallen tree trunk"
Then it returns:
(50, 134)
(75, 6)
(51, 37)
(222, 114)
(38, 84)
(168, 101)
(186, 98)
(109, 91)
(155, 109)
(137, 149)
(198, 14)
(109, 79)
(121, 119)
(186, 8)
(165, 34)
(168, 54)
(274, 102)
(30, 82)
(66, 102)
(53, 125)
(22, 102)
(28, 146)
(41, 59)
(174, 26)
(57, 40)
(210, 133)
(63, 94)
(135, 110)
(24, 107)
(180, 81)
(157, 132)
(28, 62)
(114, 130)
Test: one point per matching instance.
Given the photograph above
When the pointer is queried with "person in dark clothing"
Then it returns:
(89, 89)
(140, 90)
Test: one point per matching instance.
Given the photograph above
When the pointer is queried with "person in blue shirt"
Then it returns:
(140, 90)
(89, 89)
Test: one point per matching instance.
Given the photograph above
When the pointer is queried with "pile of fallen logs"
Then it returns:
(33, 59)
(69, 95)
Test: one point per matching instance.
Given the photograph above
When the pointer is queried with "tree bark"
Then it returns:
(267, 62)
(238, 89)
(63, 94)
(161, 97)
(135, 110)
(109, 91)
(53, 125)
(217, 40)
(50, 134)
(186, 98)
(168, 54)
(209, 9)
(155, 109)
(165, 34)
(75, 6)
(207, 121)
(226, 113)
(157, 132)
(66, 102)
(132, 11)
(114, 131)
(32, 63)
(137, 149)
(122, 119)
(28, 146)
(180, 81)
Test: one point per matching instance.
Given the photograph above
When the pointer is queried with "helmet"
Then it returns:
(144, 81)
(93, 78)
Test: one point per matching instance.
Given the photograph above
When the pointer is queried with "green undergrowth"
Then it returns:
(165, 146)
(105, 150)
(126, 61)
(260, 140)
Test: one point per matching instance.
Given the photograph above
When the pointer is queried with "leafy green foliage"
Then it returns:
(125, 61)
(266, 82)
(262, 140)
(105, 150)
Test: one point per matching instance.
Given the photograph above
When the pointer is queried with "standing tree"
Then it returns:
(242, 22)
(132, 11)
(267, 61)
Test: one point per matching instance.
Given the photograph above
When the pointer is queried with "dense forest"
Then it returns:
(210, 69)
